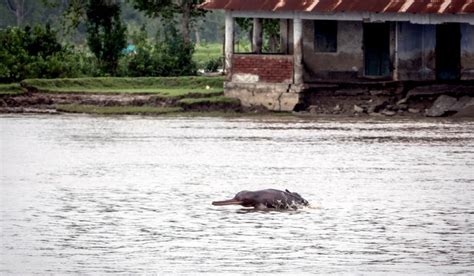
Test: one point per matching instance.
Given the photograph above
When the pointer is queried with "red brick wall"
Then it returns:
(269, 68)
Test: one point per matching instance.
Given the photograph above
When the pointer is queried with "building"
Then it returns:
(346, 41)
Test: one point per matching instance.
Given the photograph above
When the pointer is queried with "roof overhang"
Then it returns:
(415, 11)
(337, 6)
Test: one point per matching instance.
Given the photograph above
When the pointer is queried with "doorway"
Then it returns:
(377, 49)
(448, 51)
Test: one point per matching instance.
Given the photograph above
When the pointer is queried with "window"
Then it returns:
(325, 36)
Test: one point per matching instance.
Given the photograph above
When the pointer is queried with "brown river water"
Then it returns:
(132, 195)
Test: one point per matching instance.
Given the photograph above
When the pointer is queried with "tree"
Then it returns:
(106, 34)
(19, 8)
(167, 9)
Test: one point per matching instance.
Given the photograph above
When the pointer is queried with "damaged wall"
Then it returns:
(416, 51)
(467, 52)
(346, 63)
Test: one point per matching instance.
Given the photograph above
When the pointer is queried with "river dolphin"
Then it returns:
(269, 198)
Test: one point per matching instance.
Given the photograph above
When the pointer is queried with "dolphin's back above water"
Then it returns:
(268, 198)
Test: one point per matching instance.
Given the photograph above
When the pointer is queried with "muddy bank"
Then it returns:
(49, 102)
(390, 99)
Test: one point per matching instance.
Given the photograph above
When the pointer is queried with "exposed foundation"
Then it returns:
(272, 96)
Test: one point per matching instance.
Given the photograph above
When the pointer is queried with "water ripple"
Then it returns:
(131, 195)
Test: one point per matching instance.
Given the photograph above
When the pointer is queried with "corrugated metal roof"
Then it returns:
(332, 6)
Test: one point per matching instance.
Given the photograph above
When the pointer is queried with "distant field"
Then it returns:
(243, 46)
(205, 52)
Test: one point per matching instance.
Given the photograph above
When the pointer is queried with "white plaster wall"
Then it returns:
(347, 62)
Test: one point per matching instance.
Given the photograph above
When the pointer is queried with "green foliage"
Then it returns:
(38, 53)
(186, 10)
(204, 53)
(176, 55)
(214, 64)
(271, 35)
(106, 34)
(142, 62)
(168, 8)
(170, 56)
(35, 53)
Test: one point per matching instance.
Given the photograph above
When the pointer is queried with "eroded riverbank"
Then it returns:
(322, 100)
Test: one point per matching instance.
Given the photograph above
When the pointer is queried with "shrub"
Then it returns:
(143, 61)
(170, 56)
(36, 53)
(214, 64)
(176, 57)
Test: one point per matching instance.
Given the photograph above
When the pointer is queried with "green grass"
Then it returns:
(112, 110)
(243, 46)
(165, 86)
(204, 53)
(11, 89)
(209, 100)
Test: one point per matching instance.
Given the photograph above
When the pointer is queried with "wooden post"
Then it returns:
(257, 36)
(229, 43)
(298, 51)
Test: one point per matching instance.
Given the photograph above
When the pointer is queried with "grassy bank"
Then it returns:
(11, 89)
(150, 96)
(164, 86)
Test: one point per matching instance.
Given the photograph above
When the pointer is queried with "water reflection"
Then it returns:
(132, 195)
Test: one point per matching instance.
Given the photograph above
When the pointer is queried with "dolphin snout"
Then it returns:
(227, 202)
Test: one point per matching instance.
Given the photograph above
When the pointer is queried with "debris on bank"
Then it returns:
(387, 100)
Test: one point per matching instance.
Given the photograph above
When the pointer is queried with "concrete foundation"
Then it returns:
(272, 96)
